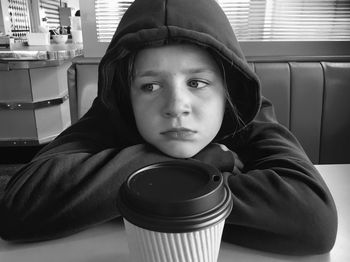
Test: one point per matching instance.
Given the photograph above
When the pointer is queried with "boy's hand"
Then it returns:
(221, 157)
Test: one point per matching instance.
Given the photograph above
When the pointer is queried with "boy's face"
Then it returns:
(178, 98)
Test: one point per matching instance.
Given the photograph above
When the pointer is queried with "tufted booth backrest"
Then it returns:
(312, 99)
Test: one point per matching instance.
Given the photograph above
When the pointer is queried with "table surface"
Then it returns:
(107, 242)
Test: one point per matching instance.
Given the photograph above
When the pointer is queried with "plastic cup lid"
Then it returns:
(175, 196)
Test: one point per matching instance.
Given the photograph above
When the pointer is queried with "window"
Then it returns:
(49, 9)
(262, 21)
(18, 12)
(108, 15)
(281, 20)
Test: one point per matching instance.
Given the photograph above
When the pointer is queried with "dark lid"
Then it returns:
(175, 196)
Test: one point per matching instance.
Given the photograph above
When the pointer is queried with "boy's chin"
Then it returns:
(179, 153)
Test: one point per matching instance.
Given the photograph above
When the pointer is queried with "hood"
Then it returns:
(158, 22)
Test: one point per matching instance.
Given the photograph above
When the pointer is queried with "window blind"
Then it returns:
(298, 20)
(258, 20)
(51, 9)
(108, 15)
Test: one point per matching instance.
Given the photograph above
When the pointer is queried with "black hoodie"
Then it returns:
(281, 203)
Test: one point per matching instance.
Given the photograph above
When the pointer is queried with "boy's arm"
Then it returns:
(73, 182)
(281, 203)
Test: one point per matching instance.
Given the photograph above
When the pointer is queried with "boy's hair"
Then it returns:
(124, 77)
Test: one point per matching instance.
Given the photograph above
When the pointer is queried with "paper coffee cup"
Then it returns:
(175, 212)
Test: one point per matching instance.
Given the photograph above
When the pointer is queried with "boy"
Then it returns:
(174, 84)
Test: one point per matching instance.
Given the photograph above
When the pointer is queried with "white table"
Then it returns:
(107, 242)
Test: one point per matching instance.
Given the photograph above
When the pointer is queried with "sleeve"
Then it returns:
(281, 203)
(73, 182)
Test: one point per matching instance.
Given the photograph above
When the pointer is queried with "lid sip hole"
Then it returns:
(216, 178)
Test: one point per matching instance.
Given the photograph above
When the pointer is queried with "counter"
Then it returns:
(20, 51)
(34, 98)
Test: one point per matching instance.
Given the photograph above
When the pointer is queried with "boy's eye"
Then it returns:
(150, 87)
(196, 84)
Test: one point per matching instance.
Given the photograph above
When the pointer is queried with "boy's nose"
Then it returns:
(177, 103)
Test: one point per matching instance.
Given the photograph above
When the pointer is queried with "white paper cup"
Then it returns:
(151, 246)
(174, 212)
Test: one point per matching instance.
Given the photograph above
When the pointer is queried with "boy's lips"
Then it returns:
(179, 133)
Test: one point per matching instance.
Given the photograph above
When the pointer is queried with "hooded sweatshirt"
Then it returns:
(281, 203)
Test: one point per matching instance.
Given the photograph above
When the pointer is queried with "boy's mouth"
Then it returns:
(179, 133)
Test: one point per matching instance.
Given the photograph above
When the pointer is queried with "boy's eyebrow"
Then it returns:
(147, 73)
(199, 70)
(185, 71)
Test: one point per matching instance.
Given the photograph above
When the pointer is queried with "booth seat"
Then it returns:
(311, 98)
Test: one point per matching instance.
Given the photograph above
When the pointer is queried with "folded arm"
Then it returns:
(281, 203)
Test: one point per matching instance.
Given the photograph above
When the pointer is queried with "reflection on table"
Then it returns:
(107, 242)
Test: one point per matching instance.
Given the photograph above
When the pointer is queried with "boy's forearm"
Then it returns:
(281, 202)
(281, 210)
(60, 195)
